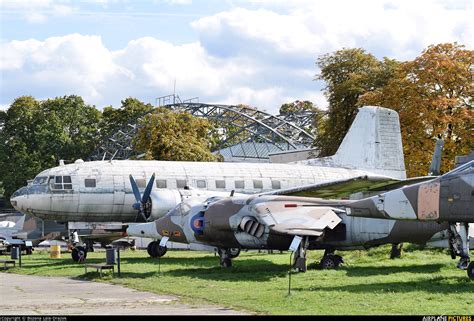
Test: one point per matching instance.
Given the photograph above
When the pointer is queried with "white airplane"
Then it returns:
(101, 191)
(370, 155)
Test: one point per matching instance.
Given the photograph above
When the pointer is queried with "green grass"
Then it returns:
(422, 282)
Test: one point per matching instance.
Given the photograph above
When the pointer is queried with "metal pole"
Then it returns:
(159, 265)
(19, 255)
(289, 276)
(118, 261)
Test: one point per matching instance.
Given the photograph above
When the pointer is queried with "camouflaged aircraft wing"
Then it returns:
(297, 219)
(344, 187)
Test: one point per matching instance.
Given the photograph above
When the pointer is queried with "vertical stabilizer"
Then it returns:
(373, 143)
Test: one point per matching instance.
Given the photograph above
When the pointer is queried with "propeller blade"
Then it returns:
(135, 190)
(148, 188)
(143, 215)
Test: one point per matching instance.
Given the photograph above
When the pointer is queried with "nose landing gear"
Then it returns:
(154, 249)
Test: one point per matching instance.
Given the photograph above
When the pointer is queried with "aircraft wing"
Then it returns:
(298, 220)
(344, 187)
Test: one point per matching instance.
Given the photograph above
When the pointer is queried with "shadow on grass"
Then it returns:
(388, 270)
(208, 268)
(437, 285)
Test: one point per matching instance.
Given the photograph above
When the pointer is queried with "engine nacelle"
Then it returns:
(161, 202)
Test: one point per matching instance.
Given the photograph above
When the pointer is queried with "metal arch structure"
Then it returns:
(256, 132)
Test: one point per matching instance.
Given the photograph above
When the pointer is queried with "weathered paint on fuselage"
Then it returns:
(112, 198)
(222, 219)
(448, 198)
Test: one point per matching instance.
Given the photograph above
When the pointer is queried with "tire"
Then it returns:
(328, 262)
(150, 249)
(470, 270)
(79, 254)
(160, 250)
(234, 252)
(338, 259)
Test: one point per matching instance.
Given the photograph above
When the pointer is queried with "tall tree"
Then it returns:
(433, 95)
(171, 135)
(36, 134)
(348, 74)
(114, 118)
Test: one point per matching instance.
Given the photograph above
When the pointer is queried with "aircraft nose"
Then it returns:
(143, 230)
(17, 198)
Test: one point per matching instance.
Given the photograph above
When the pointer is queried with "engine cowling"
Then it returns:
(161, 202)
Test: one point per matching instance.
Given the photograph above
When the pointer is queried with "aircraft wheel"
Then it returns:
(470, 270)
(329, 262)
(160, 250)
(79, 254)
(233, 253)
(338, 259)
(150, 249)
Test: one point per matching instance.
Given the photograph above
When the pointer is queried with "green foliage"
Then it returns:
(176, 136)
(420, 283)
(115, 118)
(348, 74)
(433, 95)
(35, 135)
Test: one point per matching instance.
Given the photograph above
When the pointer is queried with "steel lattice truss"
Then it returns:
(249, 127)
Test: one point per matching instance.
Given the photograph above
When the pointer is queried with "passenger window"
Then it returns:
(276, 185)
(239, 184)
(200, 183)
(220, 184)
(257, 183)
(180, 183)
(89, 182)
(160, 183)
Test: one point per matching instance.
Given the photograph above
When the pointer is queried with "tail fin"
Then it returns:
(373, 144)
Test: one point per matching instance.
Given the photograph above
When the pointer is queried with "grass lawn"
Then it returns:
(421, 282)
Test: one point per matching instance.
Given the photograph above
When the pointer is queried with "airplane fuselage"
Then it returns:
(100, 191)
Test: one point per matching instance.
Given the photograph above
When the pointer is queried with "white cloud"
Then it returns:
(308, 28)
(262, 56)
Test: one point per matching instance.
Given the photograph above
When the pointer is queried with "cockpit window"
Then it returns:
(40, 180)
(61, 183)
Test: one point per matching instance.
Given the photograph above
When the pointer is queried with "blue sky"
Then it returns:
(255, 52)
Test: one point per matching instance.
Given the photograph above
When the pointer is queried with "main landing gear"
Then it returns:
(459, 246)
(154, 249)
(330, 260)
(78, 254)
(226, 256)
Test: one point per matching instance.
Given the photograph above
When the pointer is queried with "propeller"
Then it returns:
(140, 200)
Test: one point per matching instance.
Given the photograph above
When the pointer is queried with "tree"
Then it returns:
(433, 95)
(35, 135)
(176, 136)
(113, 119)
(348, 74)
